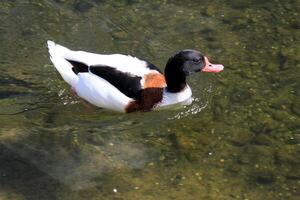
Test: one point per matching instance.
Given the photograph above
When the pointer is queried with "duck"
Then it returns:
(124, 83)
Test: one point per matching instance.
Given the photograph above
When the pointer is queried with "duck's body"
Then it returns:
(118, 82)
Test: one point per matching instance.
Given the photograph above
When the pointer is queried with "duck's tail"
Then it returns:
(57, 56)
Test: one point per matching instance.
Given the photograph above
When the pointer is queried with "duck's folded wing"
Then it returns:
(129, 84)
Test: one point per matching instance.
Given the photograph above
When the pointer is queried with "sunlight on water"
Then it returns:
(191, 110)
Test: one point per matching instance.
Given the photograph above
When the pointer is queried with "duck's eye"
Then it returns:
(195, 60)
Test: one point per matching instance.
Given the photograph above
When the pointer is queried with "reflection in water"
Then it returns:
(239, 139)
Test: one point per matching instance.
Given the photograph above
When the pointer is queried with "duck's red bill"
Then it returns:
(214, 68)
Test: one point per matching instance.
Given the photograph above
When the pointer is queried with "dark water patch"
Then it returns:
(295, 25)
(9, 94)
(12, 81)
(240, 4)
(240, 95)
(294, 175)
(28, 34)
(82, 5)
(20, 176)
(264, 176)
(59, 1)
(131, 2)
(240, 137)
(99, 1)
(263, 139)
(25, 110)
(296, 107)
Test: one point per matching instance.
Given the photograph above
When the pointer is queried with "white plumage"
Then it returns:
(100, 93)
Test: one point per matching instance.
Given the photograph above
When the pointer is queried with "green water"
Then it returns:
(240, 139)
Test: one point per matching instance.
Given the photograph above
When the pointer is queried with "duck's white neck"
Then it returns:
(182, 97)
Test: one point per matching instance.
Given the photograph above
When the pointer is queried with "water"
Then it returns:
(239, 139)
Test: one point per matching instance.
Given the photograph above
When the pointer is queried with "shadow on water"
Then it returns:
(9, 85)
(19, 177)
(64, 163)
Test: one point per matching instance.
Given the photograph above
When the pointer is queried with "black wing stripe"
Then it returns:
(78, 67)
(127, 83)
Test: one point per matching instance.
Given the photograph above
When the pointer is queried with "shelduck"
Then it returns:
(126, 84)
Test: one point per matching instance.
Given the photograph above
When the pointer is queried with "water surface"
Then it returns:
(239, 139)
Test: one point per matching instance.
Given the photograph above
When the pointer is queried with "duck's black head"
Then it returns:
(184, 63)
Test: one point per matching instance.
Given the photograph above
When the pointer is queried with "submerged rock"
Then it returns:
(293, 175)
(284, 156)
(264, 126)
(82, 5)
(296, 108)
(264, 176)
(60, 1)
(240, 95)
(240, 137)
(99, 1)
(239, 4)
(263, 140)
